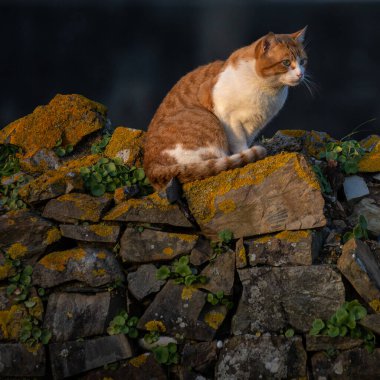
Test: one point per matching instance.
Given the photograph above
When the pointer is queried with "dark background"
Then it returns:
(128, 54)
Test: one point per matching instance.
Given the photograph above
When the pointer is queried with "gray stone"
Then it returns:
(355, 187)
(352, 364)
(284, 248)
(371, 211)
(149, 245)
(93, 233)
(70, 315)
(144, 281)
(264, 357)
(199, 356)
(75, 357)
(17, 361)
(324, 343)
(371, 322)
(376, 177)
(92, 266)
(202, 252)
(275, 298)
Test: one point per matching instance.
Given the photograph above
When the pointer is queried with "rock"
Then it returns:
(75, 357)
(352, 364)
(40, 162)
(220, 273)
(17, 361)
(6, 268)
(315, 142)
(324, 343)
(94, 233)
(202, 252)
(200, 356)
(355, 187)
(284, 248)
(276, 298)
(175, 310)
(161, 341)
(71, 315)
(213, 317)
(376, 177)
(370, 161)
(150, 245)
(54, 183)
(371, 211)
(371, 322)
(66, 117)
(70, 208)
(264, 357)
(361, 269)
(126, 143)
(277, 193)
(240, 254)
(284, 140)
(11, 316)
(144, 281)
(141, 367)
(24, 234)
(93, 266)
(153, 209)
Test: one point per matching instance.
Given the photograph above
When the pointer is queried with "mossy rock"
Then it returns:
(371, 160)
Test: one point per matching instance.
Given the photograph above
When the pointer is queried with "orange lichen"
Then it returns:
(289, 236)
(315, 142)
(155, 326)
(371, 161)
(17, 250)
(168, 251)
(185, 237)
(6, 270)
(242, 255)
(375, 305)
(58, 260)
(293, 132)
(227, 206)
(52, 236)
(214, 319)
(10, 321)
(138, 361)
(101, 255)
(101, 229)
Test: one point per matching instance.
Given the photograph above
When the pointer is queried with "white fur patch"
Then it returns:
(188, 156)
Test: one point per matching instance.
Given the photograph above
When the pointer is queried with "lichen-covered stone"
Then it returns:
(17, 361)
(66, 117)
(324, 343)
(264, 357)
(213, 317)
(362, 270)
(144, 281)
(371, 160)
(370, 209)
(92, 266)
(75, 357)
(200, 356)
(6, 268)
(72, 207)
(54, 183)
(151, 209)
(150, 245)
(241, 259)
(276, 298)
(277, 193)
(126, 143)
(11, 318)
(72, 315)
(24, 234)
(284, 248)
(315, 142)
(285, 141)
(100, 233)
(40, 162)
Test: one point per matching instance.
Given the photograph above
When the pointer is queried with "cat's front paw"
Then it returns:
(260, 151)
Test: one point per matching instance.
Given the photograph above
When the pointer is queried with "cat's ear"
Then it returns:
(300, 35)
(266, 42)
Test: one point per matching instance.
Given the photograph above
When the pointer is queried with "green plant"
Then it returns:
(9, 198)
(289, 333)
(181, 272)
(344, 322)
(100, 146)
(61, 151)
(31, 332)
(9, 163)
(123, 324)
(20, 283)
(218, 298)
(359, 232)
(109, 174)
(152, 337)
(166, 354)
(346, 153)
(323, 181)
(222, 244)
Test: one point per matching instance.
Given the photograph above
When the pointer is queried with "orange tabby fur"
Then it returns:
(186, 119)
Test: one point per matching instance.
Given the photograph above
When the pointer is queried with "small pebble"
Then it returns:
(219, 344)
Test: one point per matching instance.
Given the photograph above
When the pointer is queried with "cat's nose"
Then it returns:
(299, 75)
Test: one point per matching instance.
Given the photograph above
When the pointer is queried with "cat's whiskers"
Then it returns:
(310, 85)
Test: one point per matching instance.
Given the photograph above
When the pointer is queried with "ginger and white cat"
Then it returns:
(210, 118)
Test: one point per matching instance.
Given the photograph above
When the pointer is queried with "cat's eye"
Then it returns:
(286, 62)
(303, 61)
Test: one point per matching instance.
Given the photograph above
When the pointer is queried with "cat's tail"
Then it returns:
(160, 175)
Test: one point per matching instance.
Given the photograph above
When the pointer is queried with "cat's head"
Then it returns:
(281, 58)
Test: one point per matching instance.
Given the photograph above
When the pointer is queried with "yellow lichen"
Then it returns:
(138, 361)
(52, 236)
(227, 206)
(101, 255)
(59, 260)
(10, 321)
(185, 237)
(155, 326)
(214, 319)
(17, 250)
(187, 292)
(371, 161)
(289, 236)
(315, 142)
(38, 309)
(99, 272)
(293, 132)
(6, 270)
(168, 251)
(101, 229)
(242, 255)
(375, 305)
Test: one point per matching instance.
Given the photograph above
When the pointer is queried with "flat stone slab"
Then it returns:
(277, 193)
(24, 234)
(150, 245)
(72, 207)
(324, 343)
(358, 264)
(284, 248)
(264, 357)
(17, 361)
(71, 315)
(276, 298)
(353, 364)
(154, 209)
(92, 266)
(371, 160)
(144, 281)
(99, 233)
(355, 187)
(75, 357)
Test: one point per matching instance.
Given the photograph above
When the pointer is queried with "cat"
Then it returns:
(210, 118)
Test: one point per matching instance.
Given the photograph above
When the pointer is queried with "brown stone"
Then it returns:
(202, 252)
(150, 245)
(324, 343)
(199, 356)
(277, 193)
(371, 322)
(93, 233)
